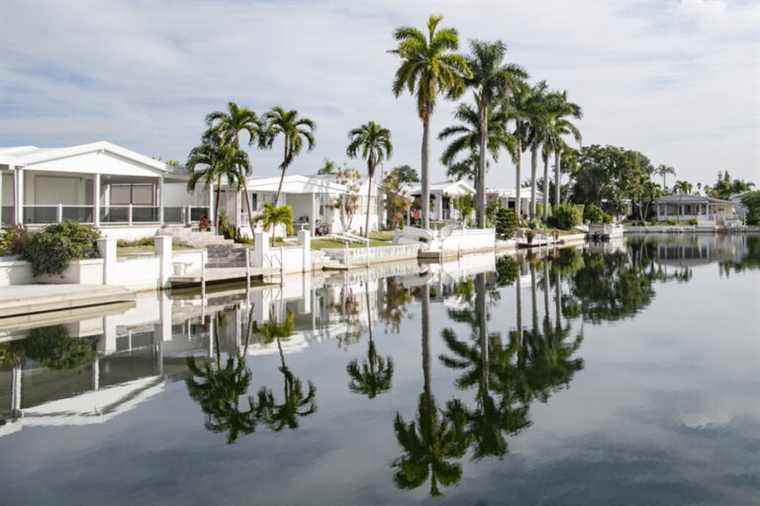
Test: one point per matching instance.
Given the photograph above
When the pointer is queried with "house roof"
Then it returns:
(690, 199)
(29, 155)
(453, 188)
(512, 193)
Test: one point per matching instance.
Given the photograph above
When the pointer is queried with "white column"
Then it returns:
(19, 196)
(96, 203)
(439, 206)
(163, 248)
(107, 249)
(238, 207)
(1, 199)
(161, 201)
(304, 238)
(16, 376)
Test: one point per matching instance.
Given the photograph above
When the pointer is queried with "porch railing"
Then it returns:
(45, 214)
(129, 214)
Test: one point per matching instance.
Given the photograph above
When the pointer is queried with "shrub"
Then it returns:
(752, 202)
(51, 250)
(566, 216)
(226, 228)
(693, 221)
(13, 241)
(594, 214)
(671, 222)
(505, 223)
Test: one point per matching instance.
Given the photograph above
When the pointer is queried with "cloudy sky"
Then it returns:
(678, 80)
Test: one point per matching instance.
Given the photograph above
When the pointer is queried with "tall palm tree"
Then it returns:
(375, 375)
(538, 122)
(516, 109)
(466, 139)
(663, 171)
(295, 131)
(374, 143)
(429, 66)
(492, 80)
(229, 125)
(561, 126)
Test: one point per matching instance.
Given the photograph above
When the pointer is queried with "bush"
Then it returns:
(226, 228)
(566, 216)
(752, 202)
(671, 222)
(51, 250)
(13, 241)
(594, 214)
(693, 221)
(505, 223)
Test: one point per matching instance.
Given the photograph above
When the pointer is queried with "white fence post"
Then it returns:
(204, 258)
(129, 214)
(163, 248)
(59, 213)
(260, 248)
(304, 238)
(107, 249)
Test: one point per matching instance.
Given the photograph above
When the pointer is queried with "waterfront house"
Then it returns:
(312, 198)
(507, 197)
(706, 210)
(121, 192)
(442, 195)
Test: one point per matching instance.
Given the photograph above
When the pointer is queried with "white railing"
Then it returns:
(57, 213)
(362, 256)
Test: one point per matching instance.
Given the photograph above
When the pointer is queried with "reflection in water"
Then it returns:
(510, 337)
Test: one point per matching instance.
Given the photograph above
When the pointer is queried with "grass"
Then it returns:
(382, 235)
(144, 246)
(318, 244)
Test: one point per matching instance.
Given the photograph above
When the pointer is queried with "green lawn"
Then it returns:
(144, 250)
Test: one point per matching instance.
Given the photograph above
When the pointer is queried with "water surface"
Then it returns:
(614, 374)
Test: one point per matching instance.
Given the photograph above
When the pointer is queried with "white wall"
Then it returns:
(176, 195)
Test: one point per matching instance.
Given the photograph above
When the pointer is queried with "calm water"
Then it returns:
(623, 374)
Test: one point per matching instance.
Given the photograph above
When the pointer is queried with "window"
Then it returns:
(137, 194)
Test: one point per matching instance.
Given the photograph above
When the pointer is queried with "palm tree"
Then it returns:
(429, 66)
(492, 80)
(229, 125)
(683, 187)
(515, 108)
(273, 216)
(664, 170)
(204, 163)
(295, 131)
(466, 139)
(375, 375)
(374, 143)
(537, 122)
(562, 111)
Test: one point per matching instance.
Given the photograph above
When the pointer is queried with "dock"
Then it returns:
(27, 300)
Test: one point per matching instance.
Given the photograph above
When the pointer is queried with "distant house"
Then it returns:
(507, 197)
(123, 193)
(442, 195)
(706, 210)
(312, 198)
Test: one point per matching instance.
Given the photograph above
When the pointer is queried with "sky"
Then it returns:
(678, 80)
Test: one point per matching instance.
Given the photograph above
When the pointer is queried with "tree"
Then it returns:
(273, 216)
(683, 187)
(538, 119)
(506, 223)
(347, 203)
(405, 174)
(397, 202)
(229, 125)
(491, 80)
(328, 169)
(374, 143)
(560, 126)
(515, 107)
(663, 171)
(465, 138)
(296, 132)
(465, 205)
(726, 187)
(205, 164)
(429, 66)
(751, 201)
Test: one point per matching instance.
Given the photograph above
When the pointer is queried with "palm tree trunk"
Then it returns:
(481, 183)
(546, 289)
(533, 297)
(557, 169)
(533, 170)
(557, 301)
(216, 203)
(546, 186)
(248, 204)
(518, 305)
(283, 168)
(425, 172)
(370, 171)
(518, 177)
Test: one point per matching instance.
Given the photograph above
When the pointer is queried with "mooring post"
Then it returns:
(247, 270)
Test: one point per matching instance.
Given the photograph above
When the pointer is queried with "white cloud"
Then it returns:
(677, 80)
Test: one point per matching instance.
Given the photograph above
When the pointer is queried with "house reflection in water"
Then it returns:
(691, 250)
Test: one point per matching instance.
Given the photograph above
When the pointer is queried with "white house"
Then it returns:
(312, 198)
(123, 193)
(706, 210)
(507, 197)
(442, 195)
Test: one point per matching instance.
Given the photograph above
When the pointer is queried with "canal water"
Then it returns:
(621, 373)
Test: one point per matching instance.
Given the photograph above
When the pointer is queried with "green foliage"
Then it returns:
(594, 214)
(671, 222)
(329, 168)
(464, 204)
(725, 187)
(405, 174)
(505, 223)
(13, 241)
(752, 202)
(54, 348)
(51, 250)
(274, 215)
(566, 216)
(226, 228)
